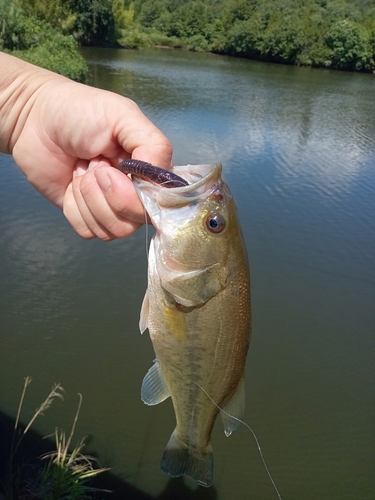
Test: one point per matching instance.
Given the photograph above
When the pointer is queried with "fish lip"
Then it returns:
(214, 172)
(185, 195)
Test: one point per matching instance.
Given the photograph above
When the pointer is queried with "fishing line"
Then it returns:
(254, 436)
(146, 224)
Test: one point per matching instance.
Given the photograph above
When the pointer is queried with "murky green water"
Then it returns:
(298, 149)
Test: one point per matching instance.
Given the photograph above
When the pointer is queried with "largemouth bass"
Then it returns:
(197, 310)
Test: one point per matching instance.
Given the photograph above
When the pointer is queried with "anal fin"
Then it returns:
(233, 411)
(154, 389)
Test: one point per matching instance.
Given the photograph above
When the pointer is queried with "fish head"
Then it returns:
(196, 228)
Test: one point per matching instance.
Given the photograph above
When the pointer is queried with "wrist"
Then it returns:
(20, 84)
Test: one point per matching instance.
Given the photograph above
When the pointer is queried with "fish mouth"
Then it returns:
(202, 179)
(197, 175)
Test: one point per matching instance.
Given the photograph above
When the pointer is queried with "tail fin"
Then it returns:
(178, 460)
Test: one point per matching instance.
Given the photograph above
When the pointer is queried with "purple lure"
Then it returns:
(151, 173)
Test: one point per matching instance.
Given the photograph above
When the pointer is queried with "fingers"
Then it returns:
(103, 203)
(159, 153)
(141, 138)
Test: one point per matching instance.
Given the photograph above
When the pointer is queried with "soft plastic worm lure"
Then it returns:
(151, 173)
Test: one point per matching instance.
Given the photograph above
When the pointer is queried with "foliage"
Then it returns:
(64, 474)
(307, 32)
(59, 55)
(244, 39)
(94, 23)
(338, 34)
(350, 46)
(55, 12)
(131, 38)
(35, 40)
(123, 17)
(10, 15)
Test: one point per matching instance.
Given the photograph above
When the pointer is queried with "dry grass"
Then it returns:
(57, 475)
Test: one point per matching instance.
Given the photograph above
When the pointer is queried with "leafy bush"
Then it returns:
(350, 46)
(198, 43)
(54, 12)
(35, 41)
(131, 39)
(155, 38)
(10, 15)
(59, 55)
(150, 12)
(244, 39)
(283, 40)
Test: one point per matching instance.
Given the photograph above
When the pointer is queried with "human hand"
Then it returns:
(67, 138)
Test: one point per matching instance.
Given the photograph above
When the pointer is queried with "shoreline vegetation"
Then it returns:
(55, 475)
(336, 34)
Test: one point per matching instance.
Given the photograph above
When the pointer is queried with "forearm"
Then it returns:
(20, 83)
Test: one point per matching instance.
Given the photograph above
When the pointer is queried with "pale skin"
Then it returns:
(67, 137)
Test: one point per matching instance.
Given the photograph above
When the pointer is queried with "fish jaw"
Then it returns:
(198, 315)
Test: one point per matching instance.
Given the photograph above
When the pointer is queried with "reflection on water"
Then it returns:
(298, 148)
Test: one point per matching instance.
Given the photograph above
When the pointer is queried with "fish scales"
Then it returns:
(197, 310)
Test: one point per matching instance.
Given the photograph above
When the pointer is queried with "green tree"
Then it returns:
(126, 28)
(36, 41)
(189, 20)
(10, 16)
(94, 24)
(283, 39)
(238, 10)
(333, 33)
(56, 12)
(350, 46)
(124, 18)
(244, 39)
(150, 12)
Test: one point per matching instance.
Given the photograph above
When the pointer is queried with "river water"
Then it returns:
(298, 150)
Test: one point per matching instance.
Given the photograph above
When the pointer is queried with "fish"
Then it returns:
(197, 310)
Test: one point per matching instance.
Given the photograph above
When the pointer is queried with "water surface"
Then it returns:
(298, 149)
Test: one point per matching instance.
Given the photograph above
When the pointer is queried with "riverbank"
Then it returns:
(335, 34)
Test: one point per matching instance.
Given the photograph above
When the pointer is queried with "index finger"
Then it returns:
(140, 138)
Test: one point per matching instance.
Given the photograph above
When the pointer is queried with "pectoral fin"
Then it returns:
(234, 408)
(195, 288)
(154, 389)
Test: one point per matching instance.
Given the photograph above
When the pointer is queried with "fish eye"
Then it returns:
(215, 223)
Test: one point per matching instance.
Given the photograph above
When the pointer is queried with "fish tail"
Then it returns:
(180, 460)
